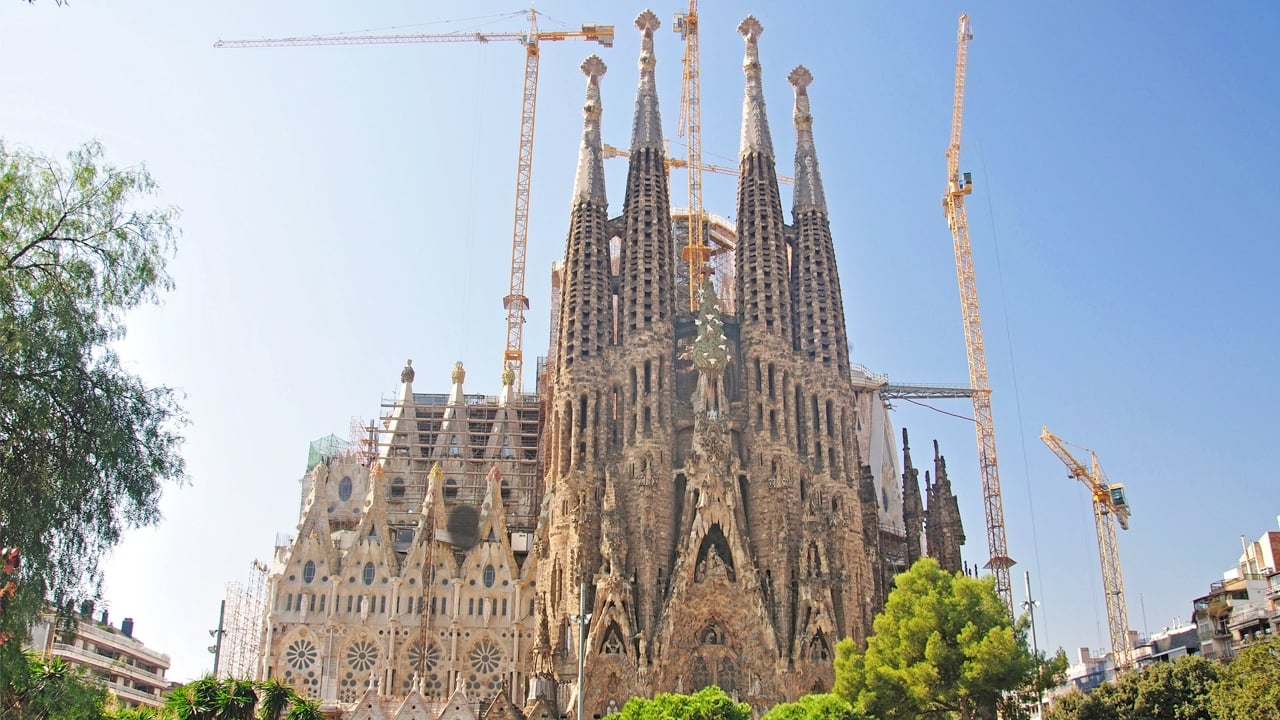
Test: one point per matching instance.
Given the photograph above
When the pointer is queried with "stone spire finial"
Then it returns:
(458, 375)
(406, 375)
(646, 128)
(755, 124)
(508, 376)
(589, 184)
(808, 192)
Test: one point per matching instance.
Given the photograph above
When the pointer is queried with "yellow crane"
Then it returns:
(516, 302)
(1109, 508)
(696, 253)
(958, 186)
(608, 151)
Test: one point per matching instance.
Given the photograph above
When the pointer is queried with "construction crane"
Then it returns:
(608, 152)
(958, 186)
(515, 302)
(696, 253)
(1109, 508)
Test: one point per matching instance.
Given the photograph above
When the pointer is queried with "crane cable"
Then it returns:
(1017, 397)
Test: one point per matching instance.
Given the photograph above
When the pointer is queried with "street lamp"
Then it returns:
(583, 618)
(1030, 606)
(216, 648)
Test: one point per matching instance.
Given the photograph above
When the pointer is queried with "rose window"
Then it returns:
(300, 654)
(362, 655)
(486, 657)
(421, 662)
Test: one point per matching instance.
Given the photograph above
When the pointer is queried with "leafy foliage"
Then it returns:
(709, 703)
(944, 645)
(1249, 688)
(1162, 691)
(824, 706)
(50, 689)
(85, 446)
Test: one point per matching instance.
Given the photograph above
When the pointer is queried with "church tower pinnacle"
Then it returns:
(815, 283)
(760, 262)
(585, 323)
(647, 275)
(643, 390)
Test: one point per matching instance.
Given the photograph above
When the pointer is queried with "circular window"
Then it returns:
(424, 662)
(489, 576)
(309, 571)
(485, 657)
(344, 488)
(301, 654)
(362, 655)
(368, 573)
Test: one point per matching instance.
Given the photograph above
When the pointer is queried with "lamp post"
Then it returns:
(1030, 606)
(216, 649)
(583, 618)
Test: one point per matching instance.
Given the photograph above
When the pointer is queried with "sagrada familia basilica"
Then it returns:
(695, 496)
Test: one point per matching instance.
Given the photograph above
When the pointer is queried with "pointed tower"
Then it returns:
(646, 301)
(644, 389)
(944, 528)
(585, 322)
(760, 264)
(912, 508)
(581, 396)
(815, 285)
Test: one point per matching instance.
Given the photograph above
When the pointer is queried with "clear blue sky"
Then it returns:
(348, 207)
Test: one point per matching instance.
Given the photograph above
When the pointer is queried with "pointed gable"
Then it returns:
(459, 706)
(368, 707)
(414, 707)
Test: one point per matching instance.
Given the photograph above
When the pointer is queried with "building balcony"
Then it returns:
(1248, 616)
(118, 666)
(136, 696)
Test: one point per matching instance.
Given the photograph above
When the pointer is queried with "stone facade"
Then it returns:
(705, 484)
(716, 487)
(412, 572)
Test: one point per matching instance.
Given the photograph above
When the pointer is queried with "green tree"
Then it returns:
(822, 706)
(274, 699)
(943, 646)
(1249, 687)
(85, 446)
(1180, 690)
(50, 689)
(305, 709)
(709, 703)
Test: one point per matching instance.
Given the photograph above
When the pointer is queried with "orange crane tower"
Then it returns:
(696, 252)
(959, 185)
(1109, 508)
(516, 302)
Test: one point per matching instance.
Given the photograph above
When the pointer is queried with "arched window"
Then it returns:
(450, 489)
(489, 576)
(344, 488)
(397, 488)
(309, 571)
(368, 573)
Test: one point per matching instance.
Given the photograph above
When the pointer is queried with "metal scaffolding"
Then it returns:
(243, 627)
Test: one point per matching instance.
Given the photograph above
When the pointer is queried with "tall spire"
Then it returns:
(808, 191)
(584, 328)
(646, 128)
(760, 263)
(589, 184)
(646, 261)
(755, 124)
(912, 507)
(818, 319)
